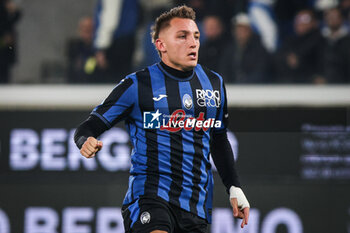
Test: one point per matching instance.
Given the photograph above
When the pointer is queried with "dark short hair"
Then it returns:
(164, 19)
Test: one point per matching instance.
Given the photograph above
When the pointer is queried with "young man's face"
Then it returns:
(179, 44)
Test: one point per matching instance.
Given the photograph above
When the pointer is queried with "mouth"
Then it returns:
(193, 55)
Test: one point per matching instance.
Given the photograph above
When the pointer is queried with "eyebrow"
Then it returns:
(185, 31)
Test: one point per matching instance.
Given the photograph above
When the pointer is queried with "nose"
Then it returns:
(192, 41)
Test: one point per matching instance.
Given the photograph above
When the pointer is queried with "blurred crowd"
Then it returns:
(9, 16)
(246, 41)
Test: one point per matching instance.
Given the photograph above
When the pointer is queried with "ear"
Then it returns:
(160, 45)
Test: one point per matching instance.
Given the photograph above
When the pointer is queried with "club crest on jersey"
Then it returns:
(208, 98)
(187, 101)
(145, 217)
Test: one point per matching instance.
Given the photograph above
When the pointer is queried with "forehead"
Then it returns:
(181, 24)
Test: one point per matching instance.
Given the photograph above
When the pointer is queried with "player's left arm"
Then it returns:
(222, 155)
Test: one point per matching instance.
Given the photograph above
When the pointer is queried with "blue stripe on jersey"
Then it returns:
(134, 212)
(129, 193)
(188, 148)
(136, 112)
(118, 108)
(158, 88)
(211, 113)
(202, 193)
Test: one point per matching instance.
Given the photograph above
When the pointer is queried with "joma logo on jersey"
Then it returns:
(208, 98)
(151, 120)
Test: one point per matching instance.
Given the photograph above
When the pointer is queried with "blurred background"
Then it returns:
(286, 65)
(247, 41)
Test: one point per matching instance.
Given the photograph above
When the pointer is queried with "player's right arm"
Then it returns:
(86, 134)
(116, 107)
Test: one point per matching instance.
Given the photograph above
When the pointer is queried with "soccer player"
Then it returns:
(176, 113)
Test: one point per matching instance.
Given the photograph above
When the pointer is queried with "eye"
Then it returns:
(182, 36)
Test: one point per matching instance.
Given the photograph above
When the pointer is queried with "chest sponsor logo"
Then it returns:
(208, 98)
(151, 120)
(178, 120)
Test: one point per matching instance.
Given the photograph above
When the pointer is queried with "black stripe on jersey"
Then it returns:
(126, 217)
(146, 103)
(198, 147)
(176, 147)
(117, 92)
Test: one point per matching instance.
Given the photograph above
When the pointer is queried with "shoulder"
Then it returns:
(210, 73)
(133, 77)
(145, 72)
(127, 82)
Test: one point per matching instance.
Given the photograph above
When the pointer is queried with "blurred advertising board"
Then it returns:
(294, 164)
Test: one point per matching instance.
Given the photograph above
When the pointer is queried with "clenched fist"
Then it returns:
(90, 147)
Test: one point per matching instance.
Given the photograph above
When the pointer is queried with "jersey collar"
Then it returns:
(174, 73)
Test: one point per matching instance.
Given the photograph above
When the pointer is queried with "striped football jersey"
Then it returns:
(170, 121)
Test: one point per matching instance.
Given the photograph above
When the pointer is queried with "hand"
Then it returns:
(240, 205)
(90, 147)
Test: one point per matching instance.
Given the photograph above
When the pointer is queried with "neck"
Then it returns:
(176, 72)
(165, 59)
